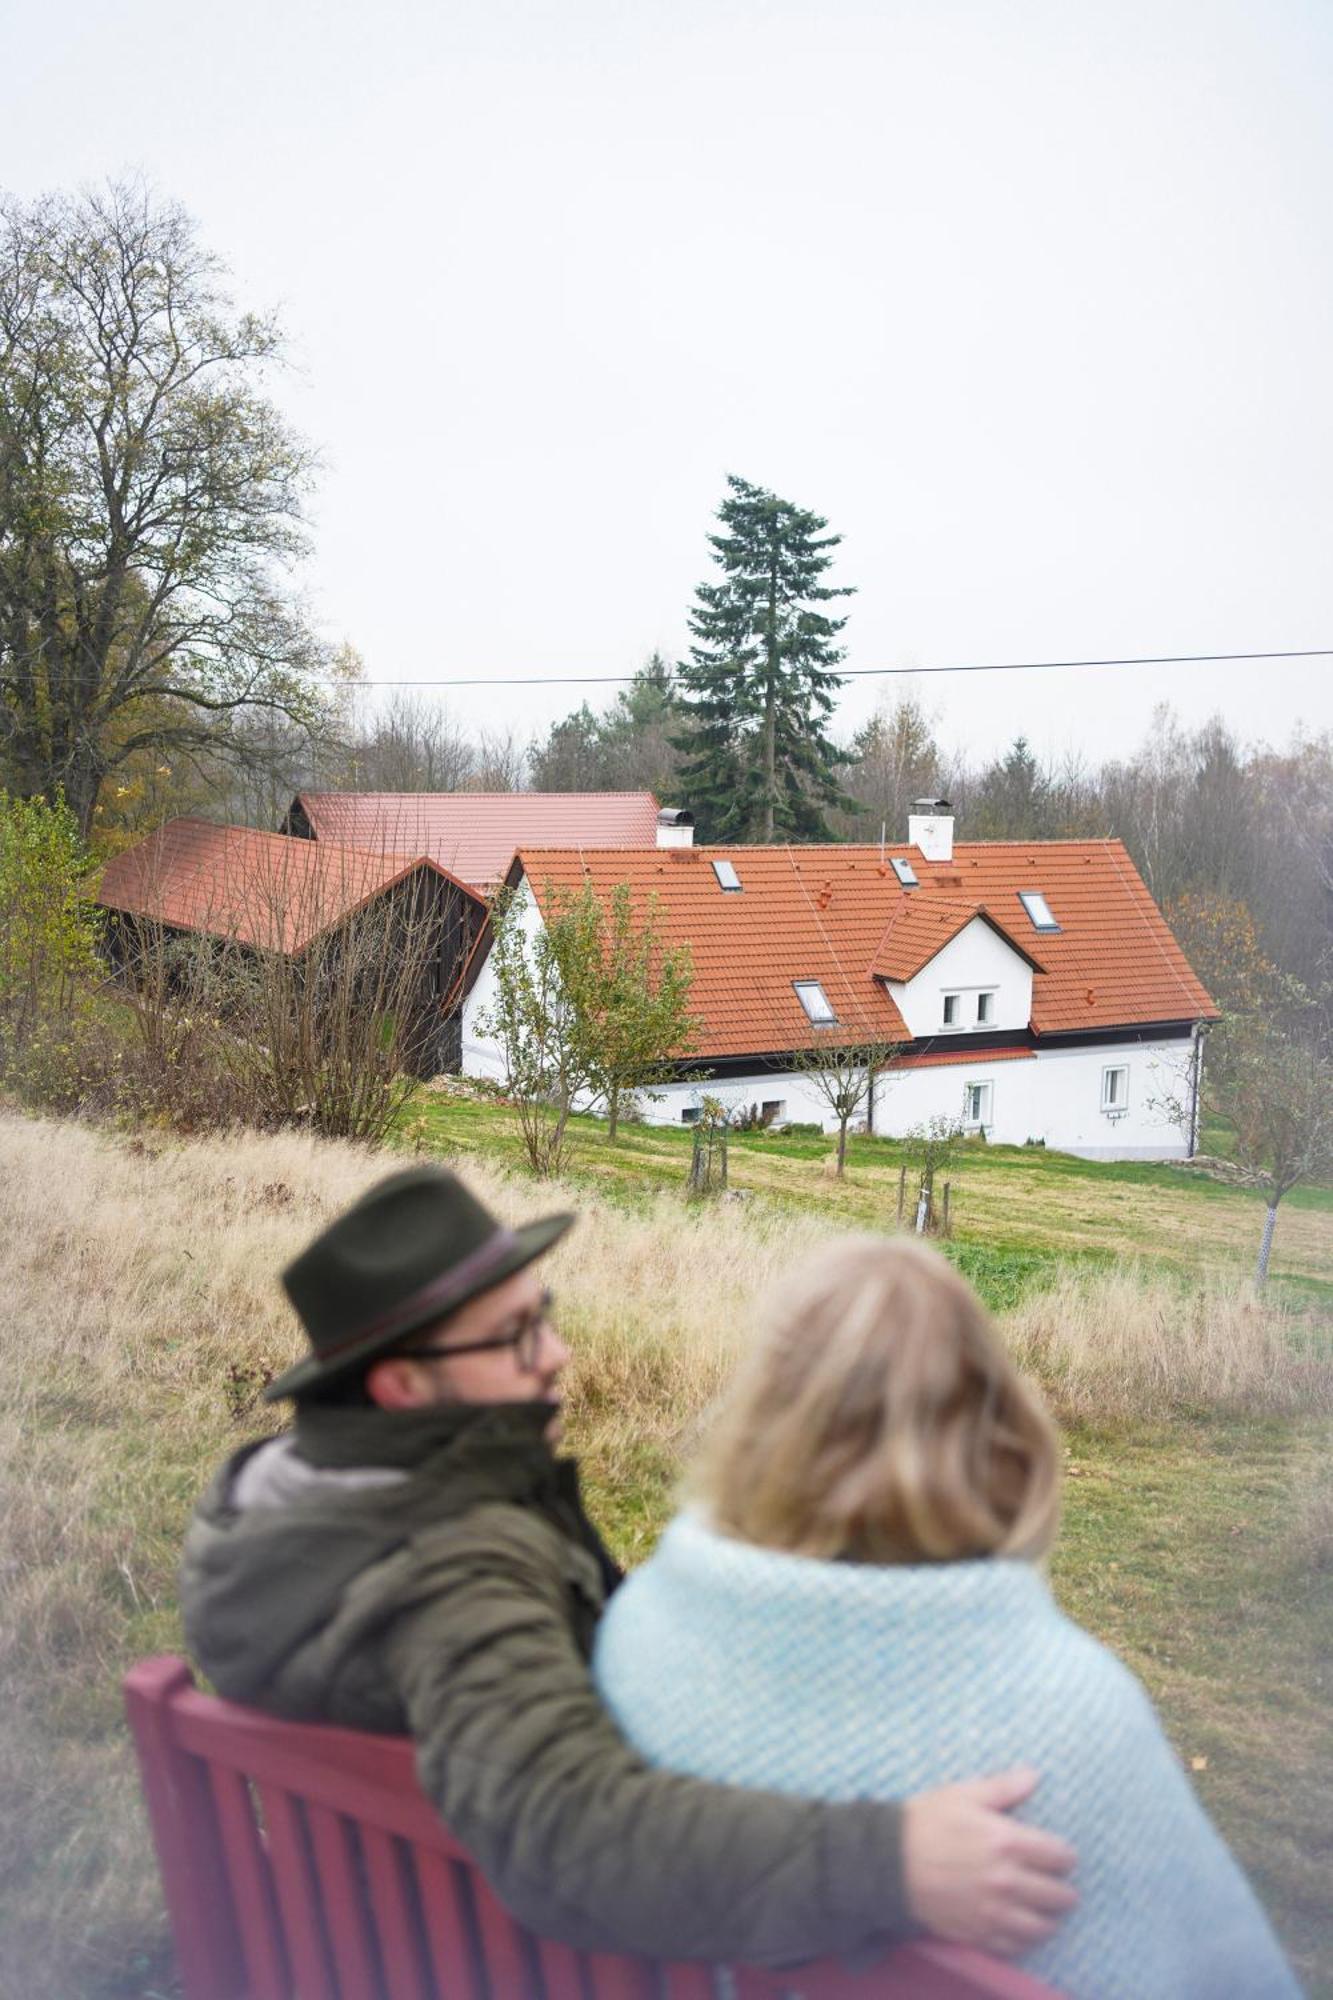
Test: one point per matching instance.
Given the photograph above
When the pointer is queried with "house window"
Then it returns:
(976, 1105)
(904, 871)
(985, 1009)
(727, 878)
(1115, 1089)
(815, 1002)
(690, 1114)
(773, 1110)
(1037, 907)
(952, 1003)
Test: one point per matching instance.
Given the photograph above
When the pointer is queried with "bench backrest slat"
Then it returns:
(299, 1860)
(452, 1941)
(249, 1878)
(299, 1905)
(335, 1853)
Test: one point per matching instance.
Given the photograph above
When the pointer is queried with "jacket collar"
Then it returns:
(477, 1452)
(339, 1436)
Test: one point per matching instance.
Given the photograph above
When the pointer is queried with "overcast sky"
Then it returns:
(1033, 299)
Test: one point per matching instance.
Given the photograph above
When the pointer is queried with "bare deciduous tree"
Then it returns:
(150, 500)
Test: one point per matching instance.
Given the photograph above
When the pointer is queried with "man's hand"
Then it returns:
(977, 1877)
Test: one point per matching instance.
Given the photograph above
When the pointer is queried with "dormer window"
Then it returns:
(815, 1002)
(1038, 909)
(727, 878)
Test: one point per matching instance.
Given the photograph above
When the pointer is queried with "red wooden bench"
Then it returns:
(305, 1863)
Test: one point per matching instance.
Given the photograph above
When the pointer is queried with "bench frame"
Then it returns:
(301, 1862)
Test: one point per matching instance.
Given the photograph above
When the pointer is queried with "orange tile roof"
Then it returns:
(262, 889)
(831, 913)
(475, 834)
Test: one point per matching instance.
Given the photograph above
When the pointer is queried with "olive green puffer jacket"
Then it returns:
(451, 1591)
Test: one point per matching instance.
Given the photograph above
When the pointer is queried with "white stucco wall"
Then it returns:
(1054, 1096)
(977, 959)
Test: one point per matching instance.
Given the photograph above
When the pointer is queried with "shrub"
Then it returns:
(48, 934)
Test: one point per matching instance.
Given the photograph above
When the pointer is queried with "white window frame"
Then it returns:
(951, 1020)
(773, 1111)
(1112, 1106)
(690, 1114)
(820, 1019)
(722, 869)
(985, 1116)
(903, 869)
(988, 995)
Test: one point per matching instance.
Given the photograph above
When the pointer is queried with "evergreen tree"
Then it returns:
(758, 687)
(629, 747)
(1012, 803)
(570, 758)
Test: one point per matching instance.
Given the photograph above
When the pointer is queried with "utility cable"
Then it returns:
(878, 673)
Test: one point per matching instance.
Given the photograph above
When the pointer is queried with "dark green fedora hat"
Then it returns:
(415, 1247)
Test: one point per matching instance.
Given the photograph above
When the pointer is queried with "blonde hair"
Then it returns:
(878, 1417)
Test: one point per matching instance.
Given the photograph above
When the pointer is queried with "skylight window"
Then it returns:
(904, 871)
(1038, 909)
(727, 878)
(815, 1002)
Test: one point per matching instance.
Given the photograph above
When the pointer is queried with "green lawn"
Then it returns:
(1017, 1209)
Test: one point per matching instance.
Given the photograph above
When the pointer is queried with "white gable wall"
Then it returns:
(977, 960)
(481, 1052)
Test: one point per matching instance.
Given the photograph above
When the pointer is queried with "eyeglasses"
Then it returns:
(524, 1336)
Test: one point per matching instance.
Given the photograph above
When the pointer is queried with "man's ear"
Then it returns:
(398, 1384)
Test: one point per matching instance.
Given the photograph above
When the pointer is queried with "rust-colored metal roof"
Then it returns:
(476, 834)
(260, 889)
(825, 913)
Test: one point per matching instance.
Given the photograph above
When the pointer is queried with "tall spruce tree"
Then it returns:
(758, 687)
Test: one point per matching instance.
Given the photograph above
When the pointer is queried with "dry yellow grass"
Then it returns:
(1115, 1344)
(144, 1315)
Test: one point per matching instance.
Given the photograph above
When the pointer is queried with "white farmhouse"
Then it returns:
(1032, 989)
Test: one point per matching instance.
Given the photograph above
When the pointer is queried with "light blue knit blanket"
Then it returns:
(850, 1681)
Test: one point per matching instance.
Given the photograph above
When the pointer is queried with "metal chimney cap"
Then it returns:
(931, 805)
(675, 816)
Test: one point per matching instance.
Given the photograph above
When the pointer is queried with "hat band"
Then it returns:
(459, 1282)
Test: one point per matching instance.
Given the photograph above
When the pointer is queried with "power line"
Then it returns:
(881, 673)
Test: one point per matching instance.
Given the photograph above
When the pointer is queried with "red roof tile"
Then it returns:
(475, 834)
(830, 913)
(974, 1057)
(262, 889)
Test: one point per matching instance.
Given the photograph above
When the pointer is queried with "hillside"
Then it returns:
(145, 1319)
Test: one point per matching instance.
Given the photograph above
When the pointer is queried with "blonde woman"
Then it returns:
(854, 1606)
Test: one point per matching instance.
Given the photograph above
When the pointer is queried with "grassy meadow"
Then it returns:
(144, 1319)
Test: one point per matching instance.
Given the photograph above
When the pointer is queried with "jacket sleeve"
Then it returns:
(580, 1838)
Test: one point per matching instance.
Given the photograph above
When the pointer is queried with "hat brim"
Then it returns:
(531, 1240)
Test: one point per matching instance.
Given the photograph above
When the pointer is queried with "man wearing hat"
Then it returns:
(413, 1557)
